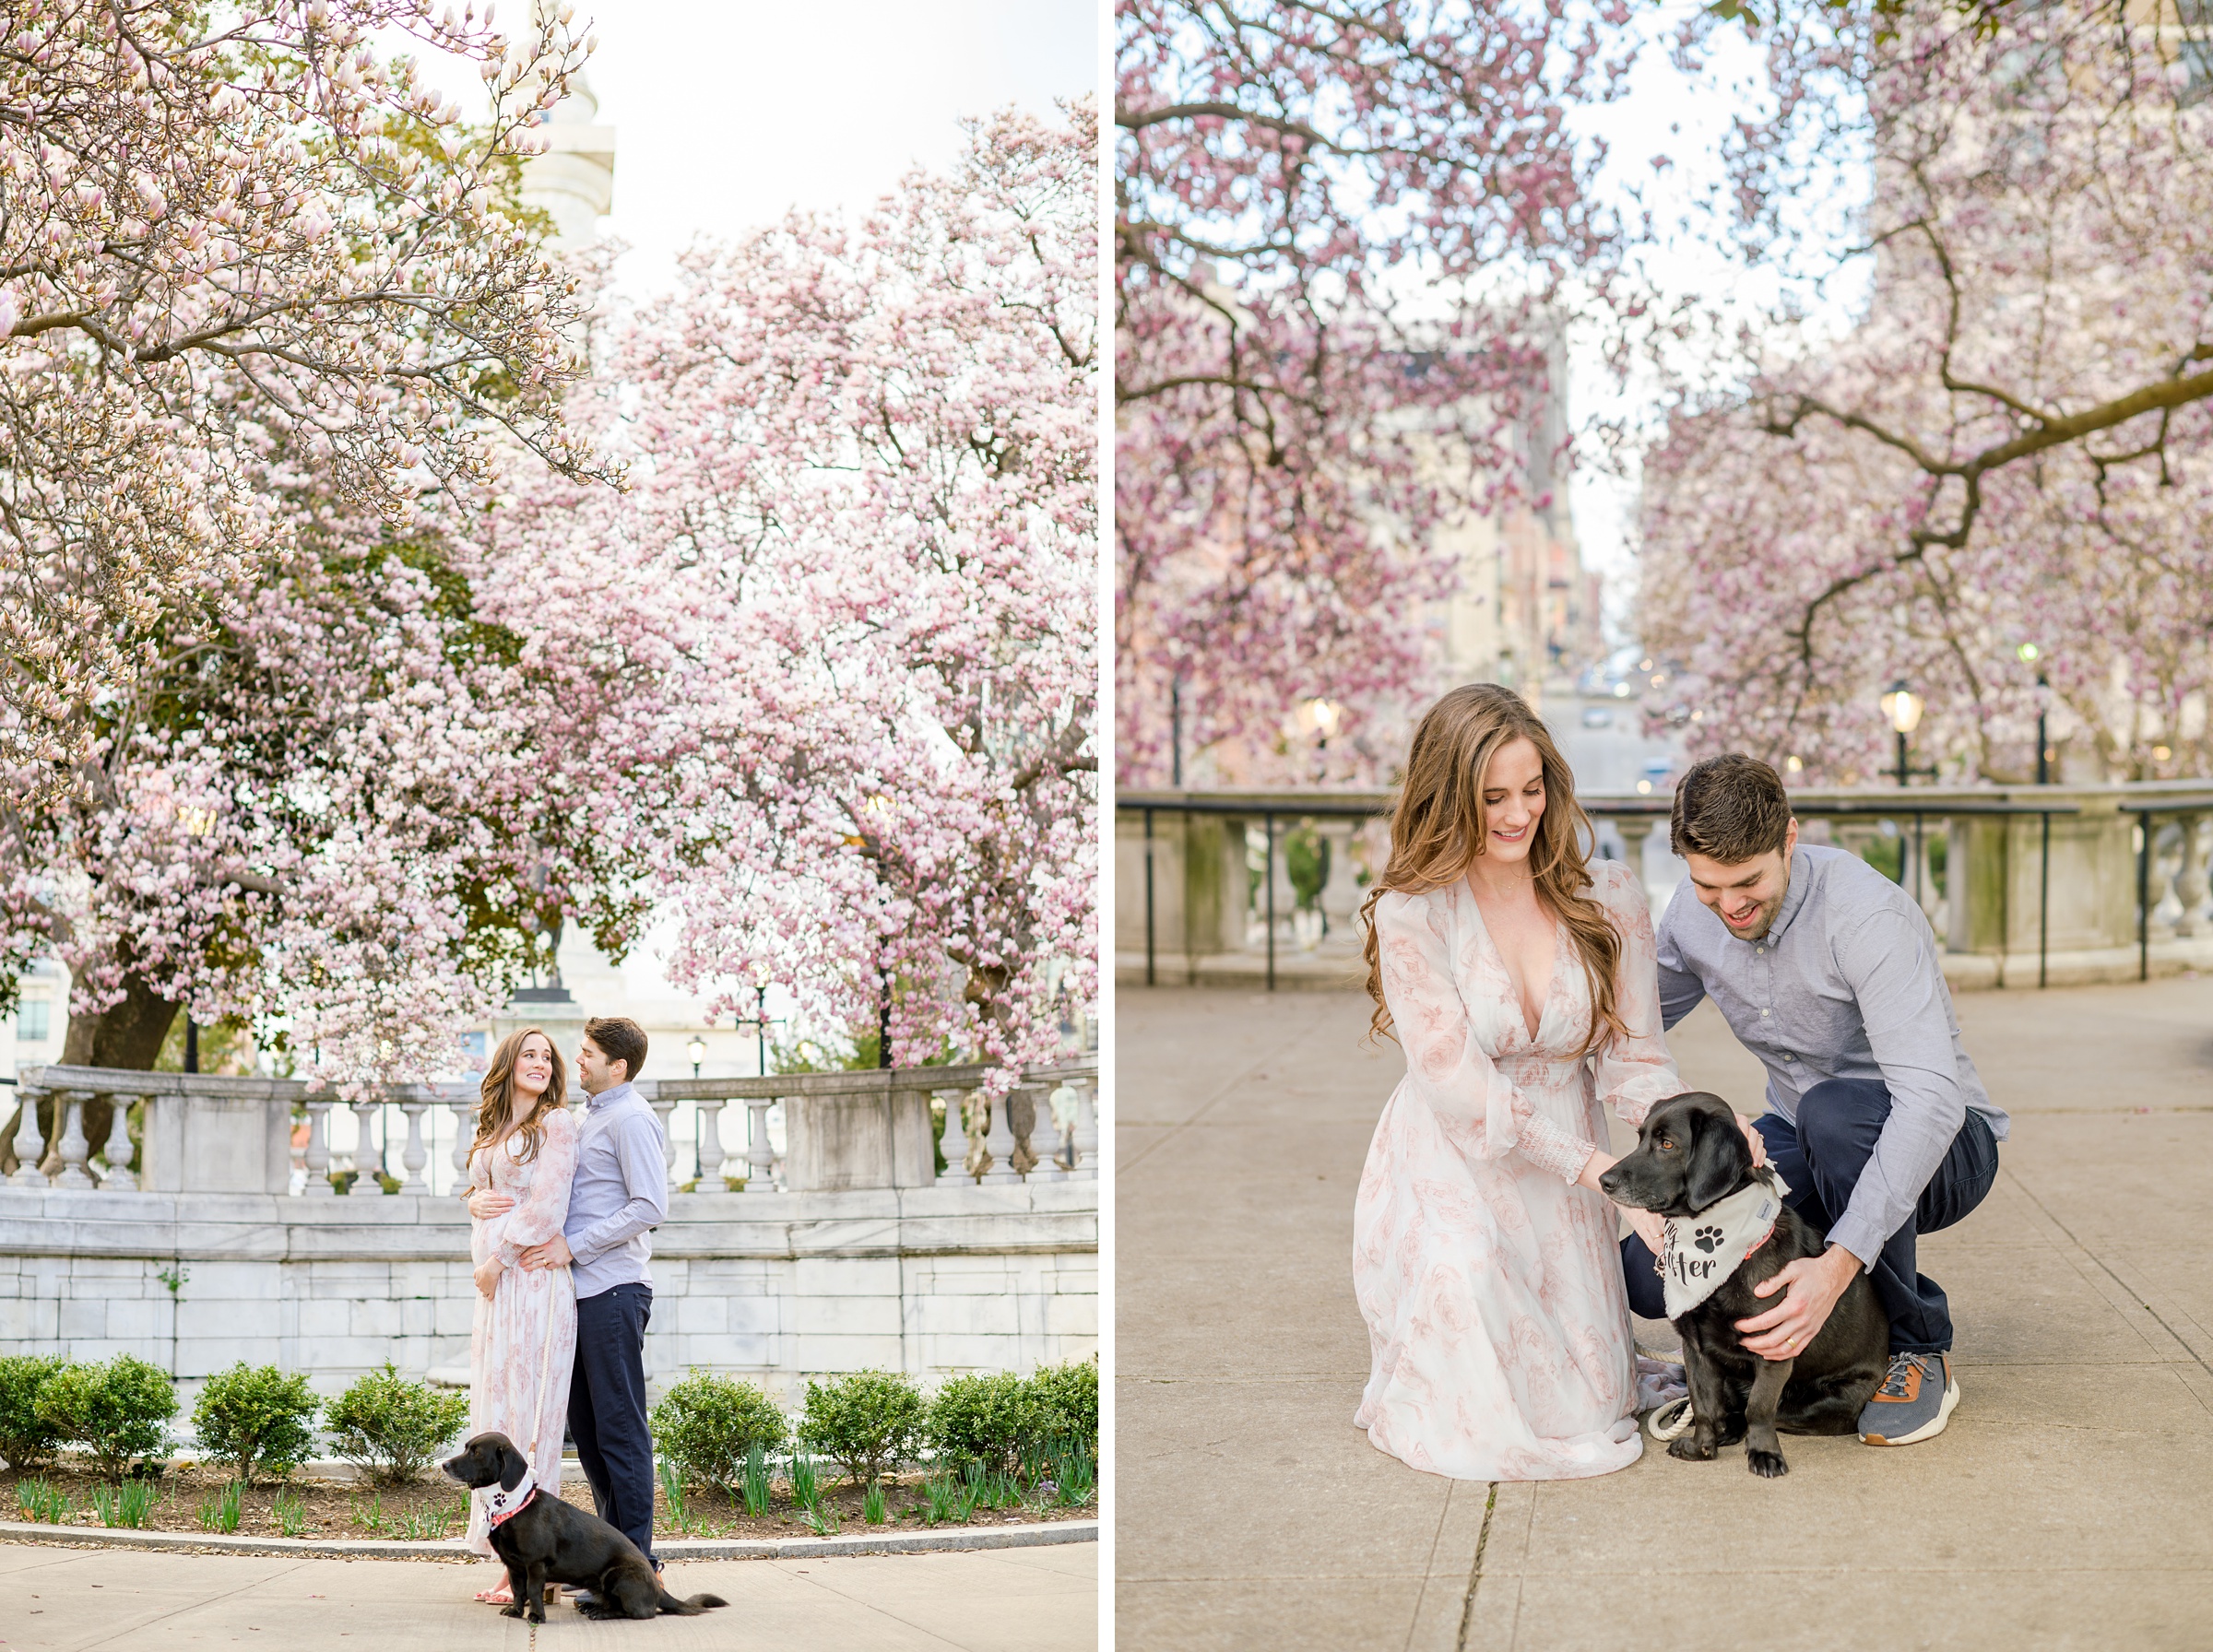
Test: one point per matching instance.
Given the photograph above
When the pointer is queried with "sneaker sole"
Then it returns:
(1928, 1430)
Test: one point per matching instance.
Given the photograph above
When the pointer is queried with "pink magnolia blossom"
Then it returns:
(1341, 225)
(228, 228)
(834, 653)
(2007, 466)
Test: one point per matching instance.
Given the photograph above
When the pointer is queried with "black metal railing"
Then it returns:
(1272, 810)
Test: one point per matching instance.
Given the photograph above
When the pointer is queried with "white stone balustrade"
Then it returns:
(844, 1131)
(867, 1260)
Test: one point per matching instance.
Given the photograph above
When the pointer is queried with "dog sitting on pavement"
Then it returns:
(543, 1540)
(1728, 1230)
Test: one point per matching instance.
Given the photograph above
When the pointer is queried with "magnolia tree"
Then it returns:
(231, 228)
(2005, 470)
(1342, 230)
(329, 810)
(841, 679)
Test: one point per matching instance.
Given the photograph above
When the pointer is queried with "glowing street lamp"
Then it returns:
(1904, 708)
(697, 1050)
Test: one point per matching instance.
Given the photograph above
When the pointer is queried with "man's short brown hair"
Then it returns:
(620, 1039)
(1729, 808)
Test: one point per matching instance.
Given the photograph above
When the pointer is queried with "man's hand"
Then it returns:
(1752, 1139)
(1813, 1284)
(553, 1253)
(487, 1204)
(488, 1278)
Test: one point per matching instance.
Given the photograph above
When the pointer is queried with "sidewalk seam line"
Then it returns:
(1124, 1165)
(1483, 1538)
(1437, 1537)
(2181, 1342)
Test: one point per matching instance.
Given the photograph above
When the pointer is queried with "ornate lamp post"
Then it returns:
(697, 1050)
(1903, 707)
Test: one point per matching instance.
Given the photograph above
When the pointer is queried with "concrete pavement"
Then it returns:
(2070, 1504)
(55, 1600)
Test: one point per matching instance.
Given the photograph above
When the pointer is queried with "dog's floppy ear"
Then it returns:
(1720, 1158)
(513, 1464)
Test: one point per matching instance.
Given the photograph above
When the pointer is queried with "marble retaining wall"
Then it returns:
(777, 1287)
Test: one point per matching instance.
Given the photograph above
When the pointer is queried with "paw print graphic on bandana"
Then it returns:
(1706, 1238)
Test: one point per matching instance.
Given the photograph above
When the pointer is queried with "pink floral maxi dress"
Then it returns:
(1491, 1283)
(522, 1342)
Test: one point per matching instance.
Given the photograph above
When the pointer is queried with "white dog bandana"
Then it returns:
(1699, 1252)
(500, 1503)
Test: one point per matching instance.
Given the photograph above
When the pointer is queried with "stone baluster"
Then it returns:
(661, 1109)
(75, 1149)
(318, 1148)
(30, 1147)
(464, 1134)
(1339, 889)
(117, 1149)
(415, 1155)
(1060, 1111)
(1633, 830)
(953, 1141)
(2165, 907)
(1287, 893)
(2191, 888)
(759, 1157)
(710, 1148)
(365, 1164)
(999, 1142)
(1087, 1129)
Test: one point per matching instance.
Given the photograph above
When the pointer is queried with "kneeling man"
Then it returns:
(1827, 972)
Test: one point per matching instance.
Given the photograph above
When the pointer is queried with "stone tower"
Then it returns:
(574, 181)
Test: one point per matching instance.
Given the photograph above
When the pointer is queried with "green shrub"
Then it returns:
(390, 1428)
(871, 1422)
(988, 1418)
(709, 1425)
(26, 1441)
(1068, 1403)
(259, 1421)
(118, 1412)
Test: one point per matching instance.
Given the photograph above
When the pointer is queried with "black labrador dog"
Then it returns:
(1689, 1154)
(547, 1540)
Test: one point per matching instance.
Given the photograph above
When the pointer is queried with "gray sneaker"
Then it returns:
(1914, 1402)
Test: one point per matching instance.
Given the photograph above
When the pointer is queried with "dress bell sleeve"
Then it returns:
(1482, 1111)
(546, 1204)
(1634, 1071)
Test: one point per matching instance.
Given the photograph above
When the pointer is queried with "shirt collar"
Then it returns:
(1793, 897)
(607, 1098)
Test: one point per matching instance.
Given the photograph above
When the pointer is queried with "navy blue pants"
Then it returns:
(606, 1409)
(1821, 1158)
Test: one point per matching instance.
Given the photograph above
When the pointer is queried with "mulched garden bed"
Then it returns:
(435, 1508)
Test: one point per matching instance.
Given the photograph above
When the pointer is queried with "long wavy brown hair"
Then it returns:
(1438, 830)
(499, 1095)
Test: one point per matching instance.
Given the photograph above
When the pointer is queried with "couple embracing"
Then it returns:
(1526, 985)
(562, 1206)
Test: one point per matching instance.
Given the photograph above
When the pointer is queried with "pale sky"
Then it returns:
(727, 114)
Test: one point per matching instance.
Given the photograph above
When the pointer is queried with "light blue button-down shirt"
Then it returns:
(621, 1190)
(1846, 984)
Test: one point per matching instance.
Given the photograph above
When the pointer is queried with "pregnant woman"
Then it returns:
(524, 1340)
(1521, 980)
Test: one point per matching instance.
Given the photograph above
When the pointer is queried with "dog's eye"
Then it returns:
(1665, 1144)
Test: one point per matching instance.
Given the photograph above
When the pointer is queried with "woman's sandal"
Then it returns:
(499, 1595)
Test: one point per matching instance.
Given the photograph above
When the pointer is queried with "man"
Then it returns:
(1827, 972)
(620, 1192)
